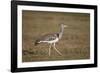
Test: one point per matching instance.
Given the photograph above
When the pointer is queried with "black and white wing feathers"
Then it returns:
(47, 37)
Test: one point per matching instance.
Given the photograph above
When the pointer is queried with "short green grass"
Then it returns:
(73, 45)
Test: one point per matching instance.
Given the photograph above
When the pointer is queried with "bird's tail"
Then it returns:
(36, 42)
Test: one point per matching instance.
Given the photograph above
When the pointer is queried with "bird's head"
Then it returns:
(63, 25)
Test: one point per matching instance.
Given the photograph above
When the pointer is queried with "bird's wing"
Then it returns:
(48, 37)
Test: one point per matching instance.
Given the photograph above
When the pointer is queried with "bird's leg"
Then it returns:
(56, 49)
(50, 49)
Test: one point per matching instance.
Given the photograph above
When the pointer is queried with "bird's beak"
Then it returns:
(65, 26)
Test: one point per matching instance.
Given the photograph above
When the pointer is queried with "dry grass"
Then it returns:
(73, 45)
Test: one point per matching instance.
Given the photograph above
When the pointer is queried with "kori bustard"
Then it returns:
(51, 39)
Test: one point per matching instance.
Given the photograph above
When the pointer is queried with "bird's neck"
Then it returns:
(61, 31)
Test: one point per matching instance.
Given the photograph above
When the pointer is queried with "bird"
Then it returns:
(52, 39)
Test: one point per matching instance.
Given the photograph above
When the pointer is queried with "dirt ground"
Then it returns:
(74, 44)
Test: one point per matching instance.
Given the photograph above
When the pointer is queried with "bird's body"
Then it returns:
(48, 38)
(51, 38)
